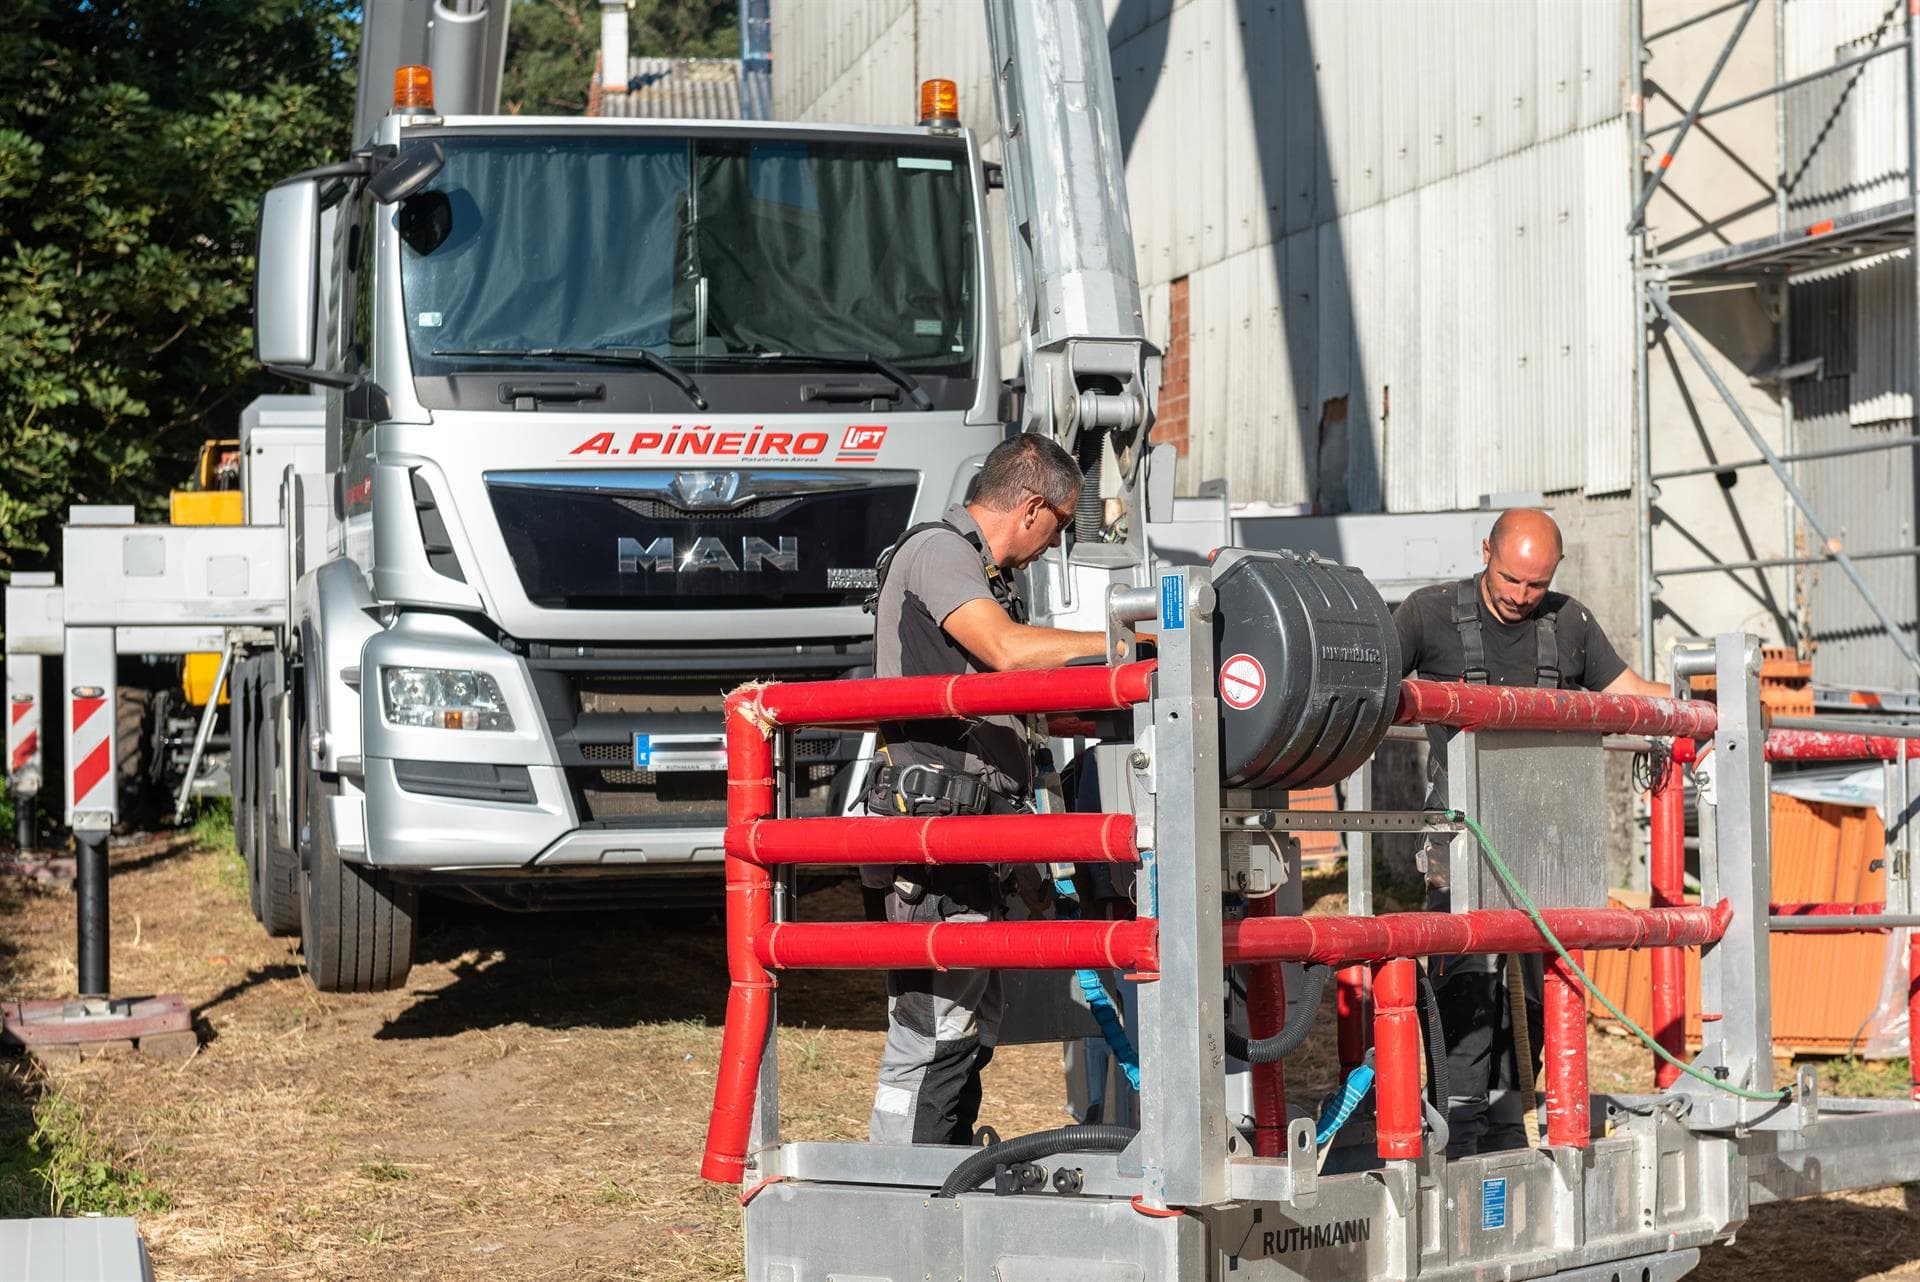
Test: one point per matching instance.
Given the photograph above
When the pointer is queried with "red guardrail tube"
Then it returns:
(1569, 1103)
(1396, 1061)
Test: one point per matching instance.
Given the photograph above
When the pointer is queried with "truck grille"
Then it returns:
(617, 540)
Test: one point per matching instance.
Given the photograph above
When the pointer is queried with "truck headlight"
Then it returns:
(444, 699)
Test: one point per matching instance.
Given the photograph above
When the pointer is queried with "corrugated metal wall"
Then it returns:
(1847, 151)
(1866, 500)
(1414, 208)
(1846, 133)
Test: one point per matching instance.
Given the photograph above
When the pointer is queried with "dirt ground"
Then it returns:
(533, 1104)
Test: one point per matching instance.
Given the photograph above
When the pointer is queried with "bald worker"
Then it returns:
(1503, 627)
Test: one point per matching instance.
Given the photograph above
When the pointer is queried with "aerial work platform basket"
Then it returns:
(1618, 1187)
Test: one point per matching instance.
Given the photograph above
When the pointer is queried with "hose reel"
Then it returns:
(1306, 665)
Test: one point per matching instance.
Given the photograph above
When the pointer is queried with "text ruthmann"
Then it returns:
(1309, 1237)
(1350, 653)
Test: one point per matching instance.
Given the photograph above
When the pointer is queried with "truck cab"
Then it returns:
(619, 415)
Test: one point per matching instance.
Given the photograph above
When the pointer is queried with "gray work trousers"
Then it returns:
(941, 1029)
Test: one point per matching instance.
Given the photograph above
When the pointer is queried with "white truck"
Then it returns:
(618, 415)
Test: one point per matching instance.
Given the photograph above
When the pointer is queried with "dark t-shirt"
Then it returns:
(1430, 641)
(934, 574)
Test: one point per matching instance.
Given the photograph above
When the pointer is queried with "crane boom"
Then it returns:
(1089, 367)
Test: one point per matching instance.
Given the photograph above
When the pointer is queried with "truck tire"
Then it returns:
(356, 923)
(276, 863)
(241, 729)
(244, 720)
(132, 743)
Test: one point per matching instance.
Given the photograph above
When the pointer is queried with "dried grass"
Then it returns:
(534, 1104)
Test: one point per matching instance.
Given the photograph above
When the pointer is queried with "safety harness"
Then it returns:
(1466, 617)
(931, 789)
(999, 582)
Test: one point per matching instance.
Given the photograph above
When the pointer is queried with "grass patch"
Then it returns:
(213, 831)
(213, 824)
(812, 1051)
(612, 1194)
(384, 1172)
(52, 1163)
(1867, 1078)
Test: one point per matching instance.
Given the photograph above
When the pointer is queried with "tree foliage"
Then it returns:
(552, 45)
(136, 138)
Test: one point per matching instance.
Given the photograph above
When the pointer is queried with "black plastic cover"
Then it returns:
(1307, 667)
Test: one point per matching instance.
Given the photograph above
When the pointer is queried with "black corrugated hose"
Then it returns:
(981, 1163)
(1438, 1086)
(1293, 1034)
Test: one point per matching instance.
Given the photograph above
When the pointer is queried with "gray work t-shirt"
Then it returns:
(934, 574)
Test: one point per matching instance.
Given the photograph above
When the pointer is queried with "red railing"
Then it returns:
(1266, 1014)
(753, 713)
(1667, 872)
(1666, 879)
(958, 839)
(1477, 707)
(757, 946)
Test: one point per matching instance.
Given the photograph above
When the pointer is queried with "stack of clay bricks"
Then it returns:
(1786, 682)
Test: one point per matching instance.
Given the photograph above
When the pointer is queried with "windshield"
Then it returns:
(704, 251)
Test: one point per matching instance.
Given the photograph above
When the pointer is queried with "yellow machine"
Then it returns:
(214, 499)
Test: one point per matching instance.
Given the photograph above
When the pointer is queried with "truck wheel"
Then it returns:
(133, 711)
(246, 790)
(356, 923)
(276, 863)
(240, 724)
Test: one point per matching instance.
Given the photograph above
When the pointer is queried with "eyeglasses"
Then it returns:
(1062, 517)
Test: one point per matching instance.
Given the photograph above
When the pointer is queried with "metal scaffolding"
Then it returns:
(1770, 265)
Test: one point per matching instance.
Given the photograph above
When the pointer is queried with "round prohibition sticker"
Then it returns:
(1243, 682)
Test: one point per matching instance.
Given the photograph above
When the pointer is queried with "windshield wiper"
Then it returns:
(854, 360)
(630, 356)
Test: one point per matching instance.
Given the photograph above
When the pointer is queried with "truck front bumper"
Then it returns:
(423, 832)
(546, 794)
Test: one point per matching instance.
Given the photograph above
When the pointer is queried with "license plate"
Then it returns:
(670, 753)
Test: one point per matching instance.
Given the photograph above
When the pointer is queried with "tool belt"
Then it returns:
(925, 789)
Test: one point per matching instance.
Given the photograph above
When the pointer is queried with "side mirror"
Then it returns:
(286, 281)
(406, 173)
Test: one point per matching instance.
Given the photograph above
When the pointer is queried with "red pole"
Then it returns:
(1339, 940)
(1913, 1009)
(1476, 707)
(862, 703)
(1828, 745)
(997, 945)
(1266, 1013)
(749, 906)
(1569, 1119)
(1816, 745)
(957, 839)
(1396, 1060)
(1133, 944)
(1350, 1016)
(1666, 876)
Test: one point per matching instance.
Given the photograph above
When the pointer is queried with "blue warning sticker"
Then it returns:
(1493, 1204)
(1173, 601)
